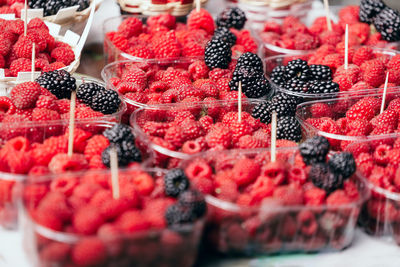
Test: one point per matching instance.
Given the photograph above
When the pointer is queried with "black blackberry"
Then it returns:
(322, 177)
(195, 201)
(297, 85)
(83, 4)
(343, 164)
(86, 91)
(51, 7)
(250, 61)
(232, 17)
(106, 101)
(323, 87)
(314, 150)
(288, 128)
(37, 4)
(321, 72)
(254, 83)
(58, 82)
(176, 215)
(369, 9)
(298, 68)
(387, 22)
(284, 105)
(278, 76)
(262, 111)
(118, 133)
(126, 153)
(218, 54)
(225, 35)
(175, 182)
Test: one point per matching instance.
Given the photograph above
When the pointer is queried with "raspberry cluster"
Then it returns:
(263, 189)
(193, 128)
(12, 7)
(293, 34)
(163, 37)
(111, 230)
(16, 48)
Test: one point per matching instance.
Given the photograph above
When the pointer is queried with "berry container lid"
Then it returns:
(281, 60)
(36, 133)
(270, 226)
(146, 245)
(338, 108)
(380, 214)
(199, 108)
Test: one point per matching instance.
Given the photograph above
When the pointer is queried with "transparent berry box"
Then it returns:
(278, 223)
(167, 156)
(116, 242)
(282, 60)
(377, 161)
(335, 124)
(26, 156)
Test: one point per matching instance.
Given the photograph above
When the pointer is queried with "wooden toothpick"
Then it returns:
(273, 136)
(33, 63)
(346, 48)
(198, 5)
(71, 124)
(26, 17)
(327, 15)
(240, 103)
(384, 93)
(114, 172)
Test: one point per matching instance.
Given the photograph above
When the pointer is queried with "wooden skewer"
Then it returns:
(26, 17)
(273, 136)
(33, 63)
(327, 15)
(240, 103)
(114, 172)
(71, 124)
(346, 48)
(384, 93)
(198, 5)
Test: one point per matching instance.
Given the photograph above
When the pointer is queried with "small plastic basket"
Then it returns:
(154, 7)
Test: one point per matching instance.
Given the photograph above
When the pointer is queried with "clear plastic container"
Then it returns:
(168, 158)
(162, 246)
(271, 62)
(338, 109)
(273, 227)
(380, 215)
(10, 183)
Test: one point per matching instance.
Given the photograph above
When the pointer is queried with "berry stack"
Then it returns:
(162, 36)
(300, 202)
(78, 221)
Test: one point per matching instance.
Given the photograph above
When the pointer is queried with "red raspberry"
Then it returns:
(140, 51)
(61, 163)
(245, 39)
(303, 41)
(37, 23)
(48, 102)
(44, 114)
(349, 15)
(54, 66)
(16, 26)
(136, 76)
(363, 54)
(96, 162)
(175, 136)
(289, 195)
(25, 95)
(198, 70)
(19, 65)
(353, 73)
(130, 27)
(132, 221)
(51, 222)
(239, 129)
(374, 72)
(55, 204)
(190, 91)
(23, 48)
(330, 38)
(206, 122)
(394, 63)
(6, 105)
(87, 220)
(314, 196)
(89, 251)
(338, 198)
(245, 171)
(192, 49)
(201, 20)
(86, 113)
(63, 54)
(387, 117)
(219, 135)
(50, 147)
(248, 141)
(361, 30)
(365, 108)
(333, 61)
(192, 129)
(154, 212)
(358, 127)
(319, 110)
(166, 46)
(166, 20)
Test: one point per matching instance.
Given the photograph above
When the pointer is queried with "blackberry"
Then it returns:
(297, 85)
(288, 128)
(283, 104)
(278, 76)
(232, 18)
(195, 201)
(118, 133)
(298, 68)
(106, 101)
(218, 54)
(262, 111)
(254, 83)
(225, 35)
(86, 91)
(387, 22)
(314, 150)
(250, 61)
(59, 82)
(83, 4)
(51, 7)
(321, 72)
(369, 9)
(322, 177)
(343, 164)
(126, 153)
(175, 182)
(177, 215)
(323, 87)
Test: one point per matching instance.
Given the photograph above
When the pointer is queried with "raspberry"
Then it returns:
(374, 72)
(37, 23)
(333, 61)
(192, 49)
(136, 76)
(166, 46)
(42, 154)
(358, 127)
(23, 48)
(219, 135)
(25, 95)
(62, 162)
(320, 110)
(245, 171)
(314, 196)
(349, 15)
(388, 118)
(55, 205)
(155, 210)
(201, 20)
(239, 129)
(20, 65)
(198, 70)
(363, 54)
(192, 129)
(365, 108)
(353, 72)
(95, 146)
(87, 220)
(130, 27)
(64, 55)
(175, 136)
(289, 195)
(248, 141)
(132, 221)
(54, 66)
(338, 198)
(48, 102)
(51, 222)
(166, 20)
(330, 38)
(140, 51)
(89, 251)
(6, 105)
(303, 41)
(394, 63)
(44, 114)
